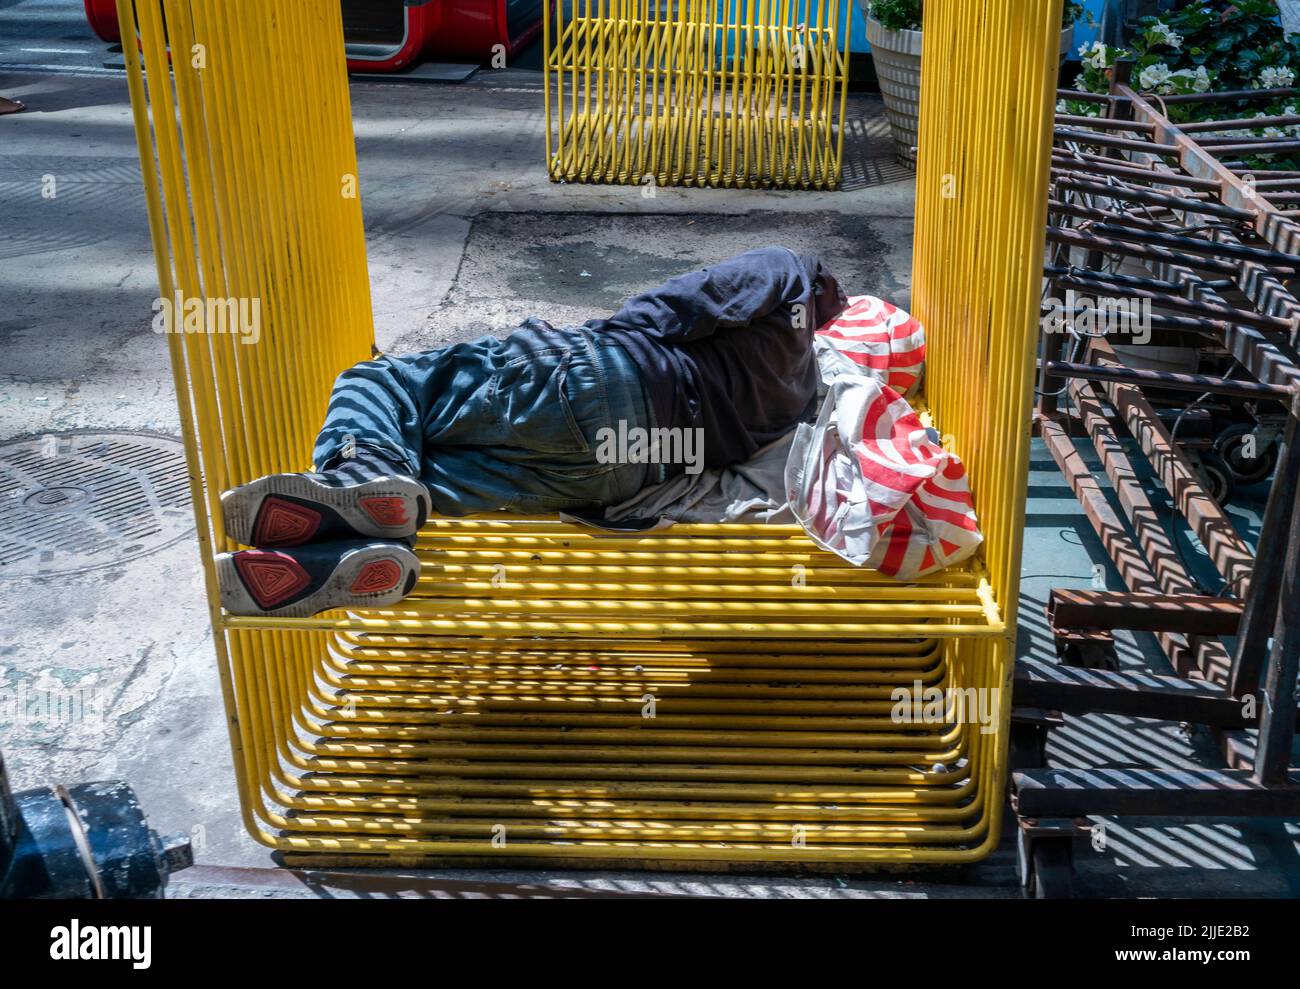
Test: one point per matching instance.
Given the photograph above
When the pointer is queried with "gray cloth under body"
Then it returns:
(753, 491)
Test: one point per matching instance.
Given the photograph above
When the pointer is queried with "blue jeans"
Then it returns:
(496, 424)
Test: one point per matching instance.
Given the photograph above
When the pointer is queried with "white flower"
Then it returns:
(1275, 77)
(1199, 81)
(1154, 76)
(1161, 34)
(1098, 56)
(1274, 132)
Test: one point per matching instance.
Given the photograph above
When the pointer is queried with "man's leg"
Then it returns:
(484, 425)
(367, 457)
(493, 424)
(473, 427)
(375, 410)
(481, 423)
(330, 539)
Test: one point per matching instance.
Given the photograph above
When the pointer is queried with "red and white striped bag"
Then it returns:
(871, 336)
(869, 481)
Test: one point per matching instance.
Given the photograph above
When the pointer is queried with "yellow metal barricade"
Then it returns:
(712, 694)
(697, 92)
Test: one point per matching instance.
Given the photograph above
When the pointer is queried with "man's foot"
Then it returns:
(10, 106)
(360, 497)
(306, 580)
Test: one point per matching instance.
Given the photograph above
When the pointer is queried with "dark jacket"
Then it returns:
(729, 348)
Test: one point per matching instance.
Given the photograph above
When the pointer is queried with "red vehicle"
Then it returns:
(388, 35)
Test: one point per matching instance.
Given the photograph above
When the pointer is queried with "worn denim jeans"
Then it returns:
(496, 424)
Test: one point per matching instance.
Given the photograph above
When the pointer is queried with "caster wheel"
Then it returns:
(1046, 866)
(1053, 870)
(1231, 445)
(1216, 475)
(1089, 655)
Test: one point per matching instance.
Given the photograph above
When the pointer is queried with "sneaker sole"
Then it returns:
(385, 508)
(252, 582)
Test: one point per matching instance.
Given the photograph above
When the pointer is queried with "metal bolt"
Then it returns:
(176, 852)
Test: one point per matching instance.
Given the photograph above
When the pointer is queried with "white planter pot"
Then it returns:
(897, 55)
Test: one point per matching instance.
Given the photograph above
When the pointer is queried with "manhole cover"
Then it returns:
(76, 501)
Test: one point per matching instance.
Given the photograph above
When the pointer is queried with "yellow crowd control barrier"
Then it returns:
(697, 92)
(707, 695)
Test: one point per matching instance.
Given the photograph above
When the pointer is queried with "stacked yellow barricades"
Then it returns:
(697, 92)
(708, 695)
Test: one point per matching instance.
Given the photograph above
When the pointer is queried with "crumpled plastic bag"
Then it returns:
(868, 481)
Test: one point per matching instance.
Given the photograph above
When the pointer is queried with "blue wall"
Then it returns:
(857, 29)
(858, 23)
(1082, 32)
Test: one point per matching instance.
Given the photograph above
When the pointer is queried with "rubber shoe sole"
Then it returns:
(292, 509)
(276, 584)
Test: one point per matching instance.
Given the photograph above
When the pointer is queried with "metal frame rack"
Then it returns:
(697, 92)
(560, 696)
(1144, 208)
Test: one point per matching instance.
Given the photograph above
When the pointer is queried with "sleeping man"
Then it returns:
(698, 373)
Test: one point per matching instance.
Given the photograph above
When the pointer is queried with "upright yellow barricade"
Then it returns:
(697, 92)
(709, 695)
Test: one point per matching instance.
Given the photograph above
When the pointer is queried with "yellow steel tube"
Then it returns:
(775, 696)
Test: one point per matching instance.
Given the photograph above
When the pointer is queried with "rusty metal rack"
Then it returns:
(1172, 219)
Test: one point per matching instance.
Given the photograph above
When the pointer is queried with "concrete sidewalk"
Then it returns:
(466, 236)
